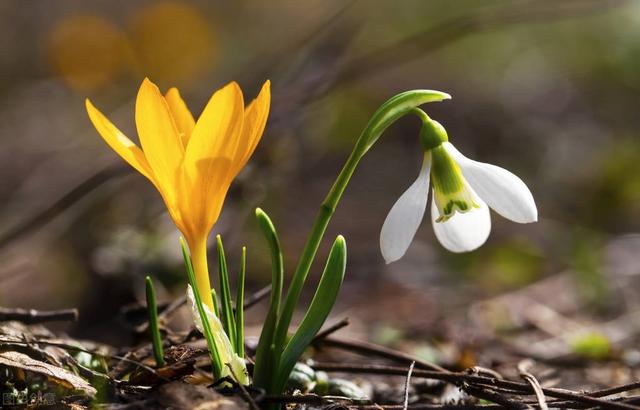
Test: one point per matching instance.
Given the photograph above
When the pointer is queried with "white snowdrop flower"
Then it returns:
(463, 190)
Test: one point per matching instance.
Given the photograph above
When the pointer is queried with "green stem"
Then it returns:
(392, 110)
(201, 269)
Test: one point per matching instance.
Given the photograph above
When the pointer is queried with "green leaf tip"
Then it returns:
(263, 218)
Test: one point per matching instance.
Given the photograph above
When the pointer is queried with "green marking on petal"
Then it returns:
(450, 189)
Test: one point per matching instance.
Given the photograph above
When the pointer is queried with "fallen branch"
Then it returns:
(380, 351)
(459, 378)
(32, 316)
(81, 190)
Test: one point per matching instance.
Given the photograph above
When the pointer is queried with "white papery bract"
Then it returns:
(463, 191)
(227, 355)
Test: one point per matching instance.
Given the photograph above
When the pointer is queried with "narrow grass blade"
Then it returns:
(226, 308)
(321, 305)
(267, 353)
(216, 306)
(216, 362)
(240, 304)
(154, 328)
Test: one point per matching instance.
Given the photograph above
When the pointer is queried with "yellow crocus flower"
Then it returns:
(191, 163)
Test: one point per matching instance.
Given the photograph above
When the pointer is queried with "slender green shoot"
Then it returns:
(268, 353)
(154, 328)
(226, 307)
(216, 306)
(216, 361)
(240, 304)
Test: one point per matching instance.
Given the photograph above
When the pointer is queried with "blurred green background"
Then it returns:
(549, 90)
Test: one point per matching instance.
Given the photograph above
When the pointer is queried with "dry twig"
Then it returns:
(407, 384)
(458, 378)
(379, 351)
(32, 316)
(523, 369)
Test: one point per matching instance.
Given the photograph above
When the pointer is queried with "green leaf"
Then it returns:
(154, 328)
(216, 361)
(225, 293)
(321, 305)
(240, 304)
(267, 353)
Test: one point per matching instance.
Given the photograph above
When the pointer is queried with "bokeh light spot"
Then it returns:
(173, 42)
(87, 51)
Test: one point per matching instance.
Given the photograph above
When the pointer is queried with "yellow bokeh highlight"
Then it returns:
(87, 51)
(173, 42)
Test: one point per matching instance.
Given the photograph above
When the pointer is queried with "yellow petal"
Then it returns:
(160, 139)
(206, 195)
(210, 151)
(181, 114)
(255, 119)
(119, 142)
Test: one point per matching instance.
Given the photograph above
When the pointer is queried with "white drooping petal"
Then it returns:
(503, 191)
(463, 232)
(405, 216)
(227, 355)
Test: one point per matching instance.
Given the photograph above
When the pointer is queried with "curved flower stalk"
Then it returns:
(463, 191)
(191, 163)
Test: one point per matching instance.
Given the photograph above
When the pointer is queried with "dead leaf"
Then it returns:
(57, 374)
